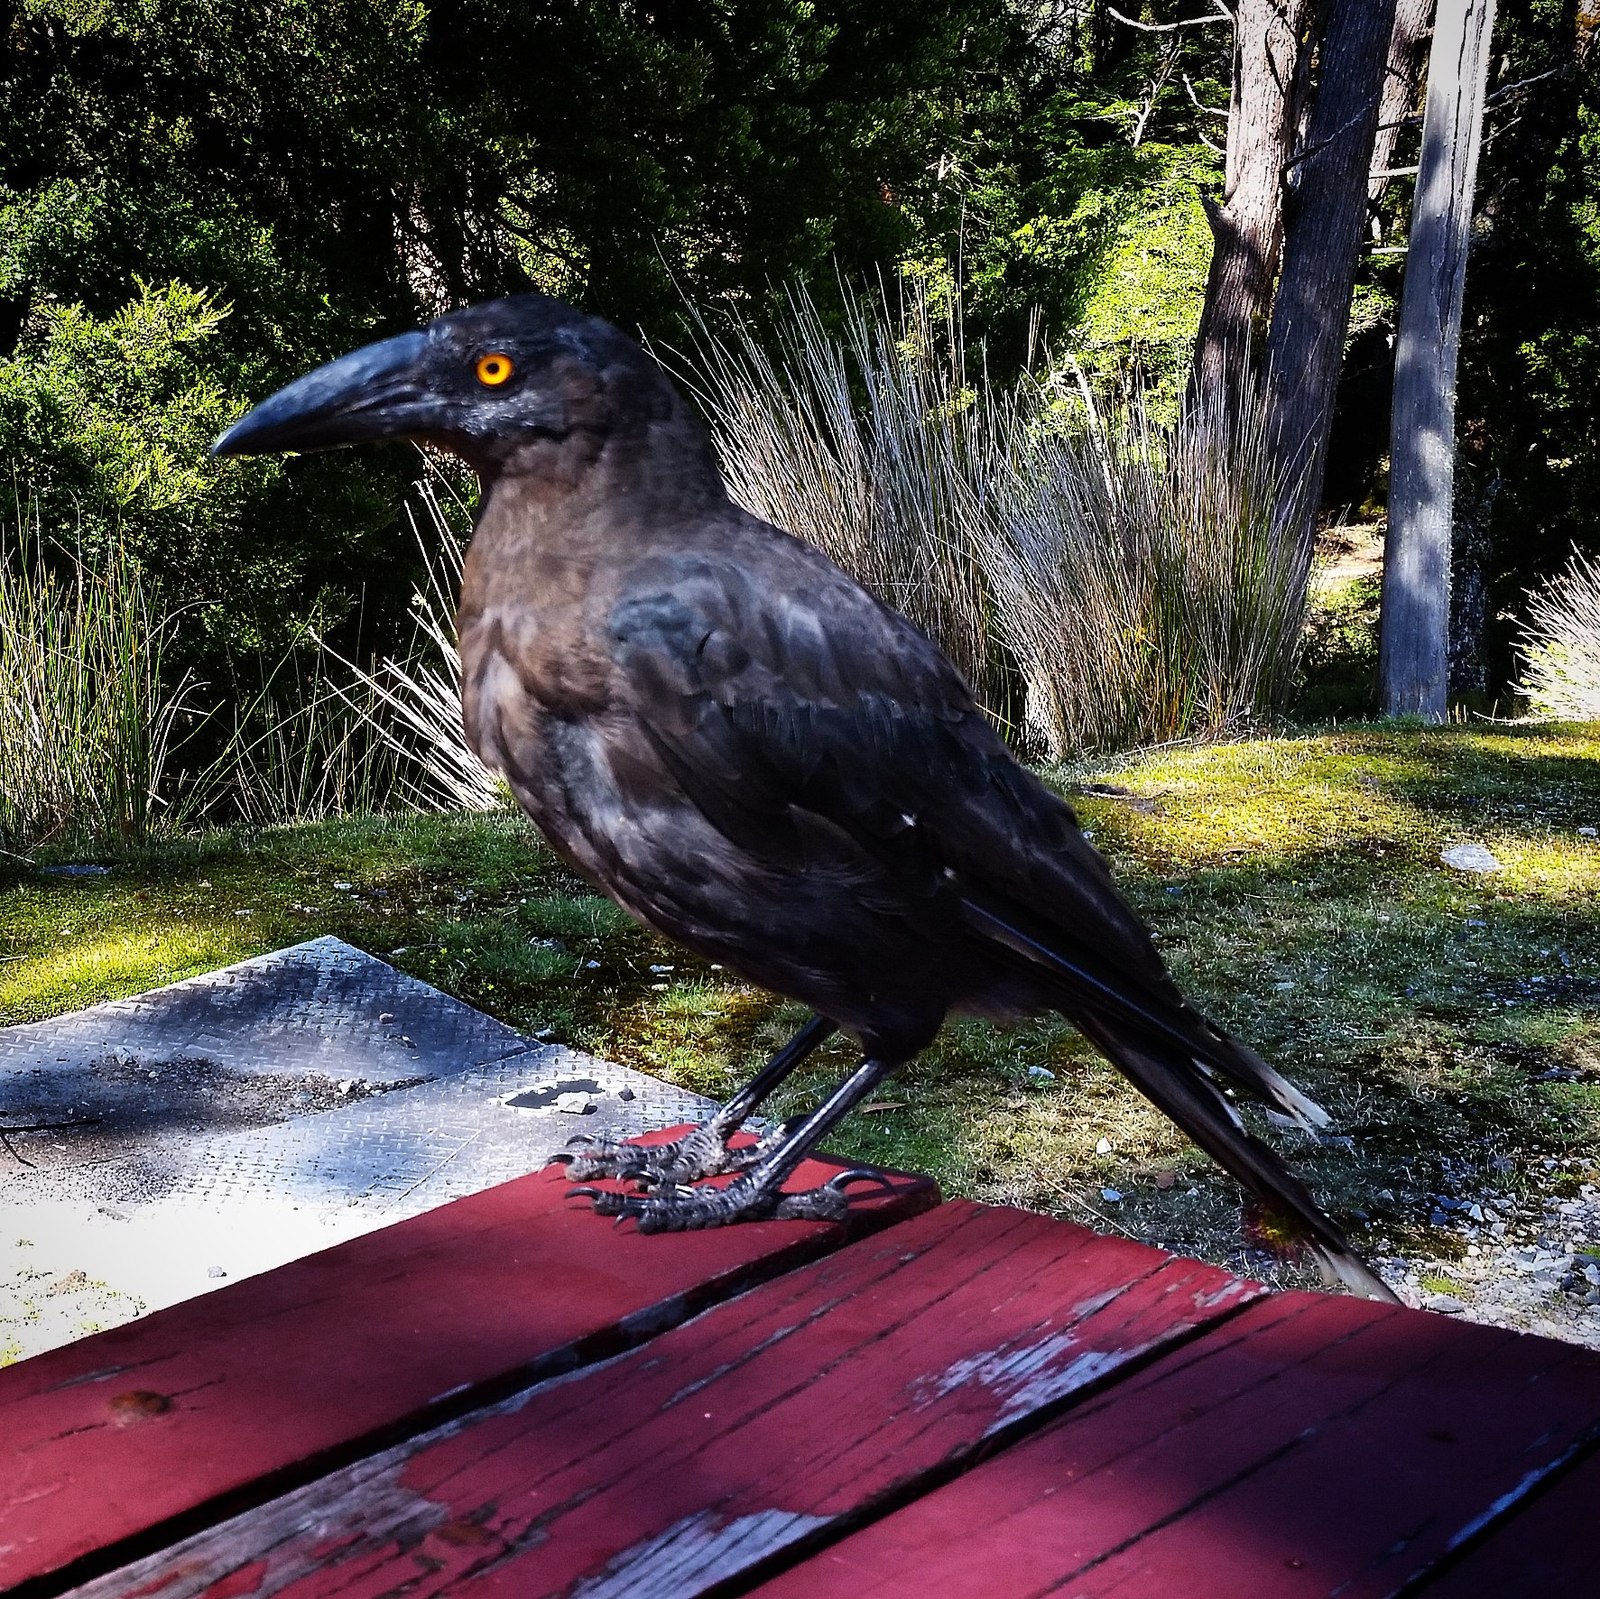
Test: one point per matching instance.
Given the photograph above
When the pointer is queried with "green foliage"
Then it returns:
(237, 192)
(1529, 409)
(1339, 668)
(322, 173)
(113, 418)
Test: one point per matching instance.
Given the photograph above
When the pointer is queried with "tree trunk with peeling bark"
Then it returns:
(1401, 75)
(1323, 219)
(1413, 663)
(1247, 227)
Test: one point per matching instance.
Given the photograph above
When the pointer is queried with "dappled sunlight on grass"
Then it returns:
(51, 981)
(1446, 1020)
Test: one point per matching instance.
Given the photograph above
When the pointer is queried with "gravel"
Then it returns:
(1509, 1261)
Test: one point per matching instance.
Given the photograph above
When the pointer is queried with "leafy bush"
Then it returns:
(1560, 644)
(113, 417)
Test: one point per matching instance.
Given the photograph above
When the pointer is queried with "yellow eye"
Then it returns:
(493, 369)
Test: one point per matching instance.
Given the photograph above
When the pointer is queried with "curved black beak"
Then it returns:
(376, 392)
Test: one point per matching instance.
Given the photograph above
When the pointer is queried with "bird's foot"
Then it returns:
(702, 1152)
(678, 1209)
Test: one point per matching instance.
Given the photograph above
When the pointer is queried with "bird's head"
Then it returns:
(483, 383)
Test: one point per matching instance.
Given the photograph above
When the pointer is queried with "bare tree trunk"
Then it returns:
(1248, 226)
(1413, 658)
(1322, 239)
(1401, 75)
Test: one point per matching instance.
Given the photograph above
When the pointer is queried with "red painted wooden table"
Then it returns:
(509, 1397)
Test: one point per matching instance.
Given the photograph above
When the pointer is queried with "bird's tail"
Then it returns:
(1174, 1056)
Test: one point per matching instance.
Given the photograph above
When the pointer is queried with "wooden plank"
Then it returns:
(760, 1423)
(1544, 1547)
(273, 1379)
(1312, 1446)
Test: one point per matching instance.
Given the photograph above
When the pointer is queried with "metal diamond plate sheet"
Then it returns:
(221, 1126)
(321, 1006)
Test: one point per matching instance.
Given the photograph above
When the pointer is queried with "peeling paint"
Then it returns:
(1229, 1290)
(352, 1512)
(1027, 1376)
(695, 1552)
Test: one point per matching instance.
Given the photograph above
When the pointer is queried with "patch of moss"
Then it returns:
(1294, 885)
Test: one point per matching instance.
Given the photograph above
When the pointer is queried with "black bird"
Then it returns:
(717, 727)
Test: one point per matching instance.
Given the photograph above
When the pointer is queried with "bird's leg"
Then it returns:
(703, 1152)
(756, 1194)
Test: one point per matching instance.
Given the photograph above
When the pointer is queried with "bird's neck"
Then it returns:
(560, 511)
(656, 474)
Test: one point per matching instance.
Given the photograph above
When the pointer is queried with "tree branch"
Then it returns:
(1523, 83)
(1221, 14)
(1199, 104)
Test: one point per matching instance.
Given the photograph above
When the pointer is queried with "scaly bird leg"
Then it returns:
(757, 1193)
(703, 1152)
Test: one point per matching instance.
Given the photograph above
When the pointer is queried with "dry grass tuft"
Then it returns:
(1560, 644)
(1101, 579)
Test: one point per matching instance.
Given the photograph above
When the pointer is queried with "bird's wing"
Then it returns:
(799, 691)
(809, 695)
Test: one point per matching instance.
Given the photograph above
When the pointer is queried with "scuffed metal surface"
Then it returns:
(322, 1006)
(222, 1126)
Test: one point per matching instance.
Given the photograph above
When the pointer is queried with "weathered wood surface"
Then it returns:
(758, 1425)
(1310, 1446)
(274, 1379)
(1547, 1551)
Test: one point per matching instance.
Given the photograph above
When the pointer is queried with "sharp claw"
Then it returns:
(584, 1193)
(859, 1174)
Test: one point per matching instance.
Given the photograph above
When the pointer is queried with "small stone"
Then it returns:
(1445, 1304)
(1438, 1219)
(1103, 1147)
(574, 1104)
(1470, 858)
(1041, 1074)
(625, 1093)
(386, 1017)
(1112, 1196)
(658, 970)
(1166, 1179)
(215, 1271)
(1589, 832)
(344, 888)
(1472, 1249)
(1475, 1212)
(591, 966)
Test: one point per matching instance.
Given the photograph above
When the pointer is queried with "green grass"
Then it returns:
(1294, 885)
